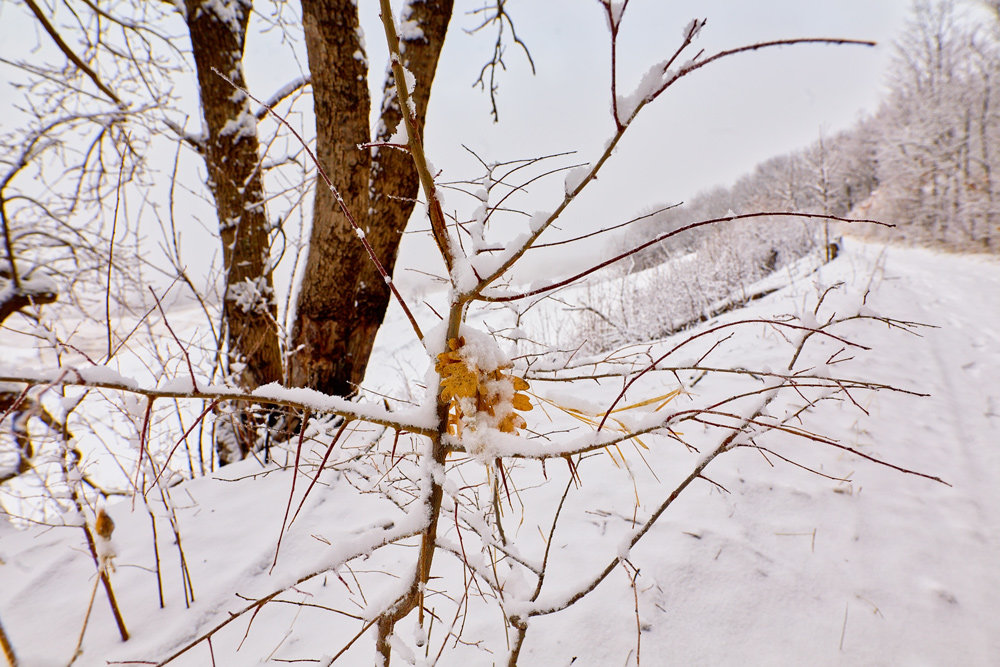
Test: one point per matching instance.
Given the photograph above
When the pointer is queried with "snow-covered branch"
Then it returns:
(416, 421)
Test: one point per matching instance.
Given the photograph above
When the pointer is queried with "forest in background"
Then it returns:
(927, 161)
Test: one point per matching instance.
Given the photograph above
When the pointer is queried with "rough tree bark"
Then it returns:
(342, 299)
(230, 149)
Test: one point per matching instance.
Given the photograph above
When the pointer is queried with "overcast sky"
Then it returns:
(709, 129)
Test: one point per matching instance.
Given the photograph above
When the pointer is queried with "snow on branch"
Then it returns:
(283, 93)
(418, 421)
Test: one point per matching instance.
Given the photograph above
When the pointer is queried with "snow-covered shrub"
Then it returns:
(620, 306)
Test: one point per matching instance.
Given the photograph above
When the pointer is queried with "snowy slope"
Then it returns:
(785, 567)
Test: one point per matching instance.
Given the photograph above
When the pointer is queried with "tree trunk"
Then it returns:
(218, 34)
(342, 299)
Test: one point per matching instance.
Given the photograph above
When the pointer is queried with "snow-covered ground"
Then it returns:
(784, 566)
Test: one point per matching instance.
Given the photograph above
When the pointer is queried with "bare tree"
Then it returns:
(343, 297)
(935, 164)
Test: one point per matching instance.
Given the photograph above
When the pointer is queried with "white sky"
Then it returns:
(709, 129)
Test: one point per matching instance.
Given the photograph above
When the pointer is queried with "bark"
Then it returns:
(342, 299)
(218, 34)
(16, 299)
(230, 152)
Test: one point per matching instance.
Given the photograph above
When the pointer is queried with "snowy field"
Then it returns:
(767, 564)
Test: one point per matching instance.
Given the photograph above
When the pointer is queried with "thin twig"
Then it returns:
(111, 253)
(7, 648)
(86, 619)
(68, 52)
(291, 493)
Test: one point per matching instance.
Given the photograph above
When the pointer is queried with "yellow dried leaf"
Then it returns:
(447, 360)
(459, 380)
(521, 402)
(104, 526)
(454, 424)
(458, 385)
(511, 423)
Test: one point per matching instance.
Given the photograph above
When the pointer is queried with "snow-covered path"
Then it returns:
(889, 569)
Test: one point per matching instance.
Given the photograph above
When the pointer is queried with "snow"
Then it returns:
(410, 31)
(784, 567)
(37, 285)
(481, 350)
(99, 374)
(251, 295)
(182, 384)
(228, 12)
(576, 176)
(615, 10)
(243, 126)
(411, 85)
(399, 135)
(289, 88)
(654, 80)
(692, 29)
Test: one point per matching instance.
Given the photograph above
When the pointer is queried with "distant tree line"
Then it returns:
(927, 161)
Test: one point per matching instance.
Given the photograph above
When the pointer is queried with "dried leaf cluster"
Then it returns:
(480, 398)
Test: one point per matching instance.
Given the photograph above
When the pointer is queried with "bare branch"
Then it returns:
(663, 237)
(68, 52)
(407, 108)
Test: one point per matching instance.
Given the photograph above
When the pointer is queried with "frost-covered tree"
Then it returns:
(936, 163)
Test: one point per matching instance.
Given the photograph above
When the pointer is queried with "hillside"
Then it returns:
(767, 564)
